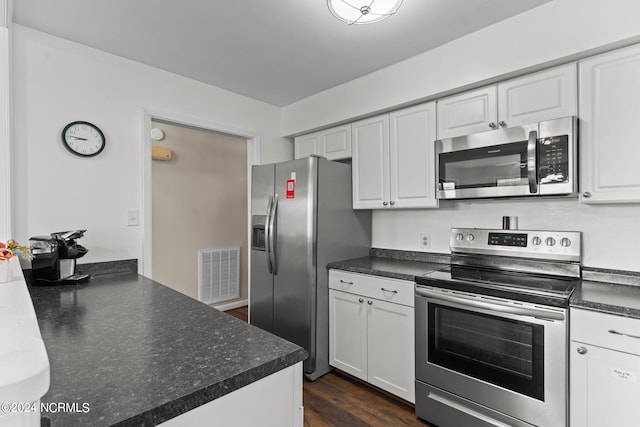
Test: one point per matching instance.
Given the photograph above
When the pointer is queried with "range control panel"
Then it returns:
(545, 244)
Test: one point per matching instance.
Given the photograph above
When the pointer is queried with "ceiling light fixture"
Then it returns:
(363, 11)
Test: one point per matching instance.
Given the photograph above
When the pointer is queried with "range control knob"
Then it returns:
(565, 242)
(536, 241)
(470, 237)
(459, 237)
(550, 241)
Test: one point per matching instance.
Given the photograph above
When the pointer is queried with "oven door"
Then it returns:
(490, 355)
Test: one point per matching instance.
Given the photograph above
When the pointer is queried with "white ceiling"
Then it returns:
(277, 51)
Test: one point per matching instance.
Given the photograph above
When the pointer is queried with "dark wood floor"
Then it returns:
(336, 399)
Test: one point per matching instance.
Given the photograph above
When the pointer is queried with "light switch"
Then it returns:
(132, 217)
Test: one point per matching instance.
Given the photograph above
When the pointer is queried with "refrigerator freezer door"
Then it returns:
(294, 299)
(261, 297)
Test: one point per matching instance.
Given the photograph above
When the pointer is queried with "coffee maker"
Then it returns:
(54, 257)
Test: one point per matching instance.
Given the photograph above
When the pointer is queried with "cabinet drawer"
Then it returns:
(392, 290)
(605, 330)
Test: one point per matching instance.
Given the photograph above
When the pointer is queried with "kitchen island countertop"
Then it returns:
(128, 351)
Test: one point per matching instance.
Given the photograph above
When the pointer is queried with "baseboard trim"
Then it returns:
(232, 305)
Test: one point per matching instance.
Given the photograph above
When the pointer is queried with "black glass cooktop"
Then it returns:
(534, 288)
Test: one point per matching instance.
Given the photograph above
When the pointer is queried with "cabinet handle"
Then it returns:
(360, 300)
(613, 331)
(492, 125)
(586, 194)
(582, 350)
(502, 123)
(392, 203)
(345, 282)
(388, 290)
(370, 302)
(384, 203)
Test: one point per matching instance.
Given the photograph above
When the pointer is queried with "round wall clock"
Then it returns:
(83, 139)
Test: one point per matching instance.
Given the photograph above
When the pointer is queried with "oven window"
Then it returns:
(504, 352)
(495, 166)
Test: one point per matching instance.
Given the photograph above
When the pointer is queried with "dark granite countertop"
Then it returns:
(139, 353)
(403, 265)
(610, 291)
(613, 292)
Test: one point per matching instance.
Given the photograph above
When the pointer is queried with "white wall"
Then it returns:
(6, 155)
(56, 82)
(550, 33)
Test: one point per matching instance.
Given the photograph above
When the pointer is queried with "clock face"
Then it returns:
(83, 139)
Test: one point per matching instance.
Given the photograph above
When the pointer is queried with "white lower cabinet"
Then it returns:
(604, 361)
(371, 330)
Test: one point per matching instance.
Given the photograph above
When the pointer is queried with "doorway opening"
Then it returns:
(196, 201)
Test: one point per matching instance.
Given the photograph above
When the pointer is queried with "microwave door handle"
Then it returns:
(532, 161)
(267, 234)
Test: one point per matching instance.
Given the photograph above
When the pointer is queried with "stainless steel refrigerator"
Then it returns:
(302, 219)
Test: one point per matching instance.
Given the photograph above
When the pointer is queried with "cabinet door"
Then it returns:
(604, 387)
(306, 145)
(336, 143)
(546, 95)
(370, 164)
(412, 157)
(391, 348)
(348, 333)
(609, 147)
(467, 113)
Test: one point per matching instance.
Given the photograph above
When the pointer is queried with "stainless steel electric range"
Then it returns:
(492, 330)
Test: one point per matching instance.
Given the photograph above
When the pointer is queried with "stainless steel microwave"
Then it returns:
(539, 159)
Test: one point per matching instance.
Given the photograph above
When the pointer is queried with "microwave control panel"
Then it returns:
(553, 159)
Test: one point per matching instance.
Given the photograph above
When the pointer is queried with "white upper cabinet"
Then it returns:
(609, 147)
(306, 145)
(333, 143)
(544, 95)
(370, 164)
(393, 159)
(336, 142)
(467, 113)
(412, 157)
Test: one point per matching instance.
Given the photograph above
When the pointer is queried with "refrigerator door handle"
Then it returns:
(267, 236)
(273, 235)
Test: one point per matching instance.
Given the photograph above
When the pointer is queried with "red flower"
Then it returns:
(5, 254)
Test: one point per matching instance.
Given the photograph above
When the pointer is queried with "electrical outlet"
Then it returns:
(425, 241)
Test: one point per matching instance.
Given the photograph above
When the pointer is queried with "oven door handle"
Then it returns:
(532, 161)
(493, 305)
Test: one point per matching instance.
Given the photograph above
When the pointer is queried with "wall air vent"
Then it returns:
(218, 275)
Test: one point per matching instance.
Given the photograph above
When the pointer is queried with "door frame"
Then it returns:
(148, 114)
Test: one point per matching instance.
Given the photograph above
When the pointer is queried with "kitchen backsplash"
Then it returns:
(609, 240)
